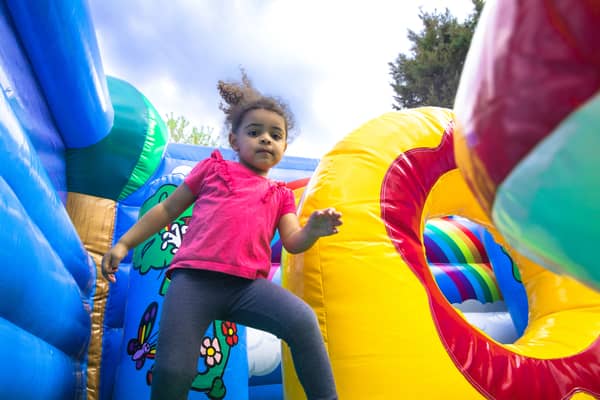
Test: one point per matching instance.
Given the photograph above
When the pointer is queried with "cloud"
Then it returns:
(329, 60)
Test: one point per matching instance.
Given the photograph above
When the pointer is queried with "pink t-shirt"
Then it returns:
(233, 220)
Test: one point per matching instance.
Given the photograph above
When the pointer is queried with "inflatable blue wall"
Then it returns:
(48, 280)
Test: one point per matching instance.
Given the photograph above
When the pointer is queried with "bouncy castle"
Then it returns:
(465, 268)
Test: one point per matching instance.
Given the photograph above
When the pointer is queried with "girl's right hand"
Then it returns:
(111, 261)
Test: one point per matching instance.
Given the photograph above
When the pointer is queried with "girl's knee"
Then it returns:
(304, 320)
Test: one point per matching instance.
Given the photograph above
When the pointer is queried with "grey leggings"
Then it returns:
(196, 298)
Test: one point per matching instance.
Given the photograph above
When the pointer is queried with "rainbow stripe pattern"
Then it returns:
(458, 260)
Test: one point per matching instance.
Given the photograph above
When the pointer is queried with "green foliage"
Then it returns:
(429, 76)
(179, 133)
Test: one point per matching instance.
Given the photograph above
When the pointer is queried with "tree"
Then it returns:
(179, 134)
(429, 76)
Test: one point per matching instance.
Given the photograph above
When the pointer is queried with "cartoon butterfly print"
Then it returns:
(144, 345)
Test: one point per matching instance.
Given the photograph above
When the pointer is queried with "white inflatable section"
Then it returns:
(491, 318)
(264, 352)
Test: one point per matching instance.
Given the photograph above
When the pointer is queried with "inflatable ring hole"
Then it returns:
(476, 276)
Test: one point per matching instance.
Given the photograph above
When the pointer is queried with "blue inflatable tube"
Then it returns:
(29, 106)
(33, 370)
(60, 40)
(21, 169)
(38, 293)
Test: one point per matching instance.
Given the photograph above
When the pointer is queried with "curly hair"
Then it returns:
(241, 97)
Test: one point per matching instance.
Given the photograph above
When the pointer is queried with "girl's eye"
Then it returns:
(252, 133)
(277, 136)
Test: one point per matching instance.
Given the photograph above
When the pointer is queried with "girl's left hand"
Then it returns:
(324, 222)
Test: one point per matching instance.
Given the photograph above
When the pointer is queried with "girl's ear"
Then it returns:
(233, 142)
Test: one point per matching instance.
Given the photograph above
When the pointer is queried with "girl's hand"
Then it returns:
(324, 222)
(111, 261)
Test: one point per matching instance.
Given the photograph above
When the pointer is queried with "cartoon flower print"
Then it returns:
(229, 329)
(211, 351)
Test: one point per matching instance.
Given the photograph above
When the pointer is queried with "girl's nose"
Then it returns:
(264, 139)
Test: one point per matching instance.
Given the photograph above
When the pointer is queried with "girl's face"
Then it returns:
(260, 140)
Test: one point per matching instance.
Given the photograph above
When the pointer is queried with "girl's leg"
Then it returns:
(264, 305)
(190, 305)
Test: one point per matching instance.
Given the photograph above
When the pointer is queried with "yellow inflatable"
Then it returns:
(389, 330)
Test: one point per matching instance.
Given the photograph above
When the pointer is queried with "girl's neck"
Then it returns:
(255, 171)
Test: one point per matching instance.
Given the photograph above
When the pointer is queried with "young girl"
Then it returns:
(220, 269)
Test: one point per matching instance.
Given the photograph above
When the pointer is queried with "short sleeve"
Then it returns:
(288, 202)
(197, 175)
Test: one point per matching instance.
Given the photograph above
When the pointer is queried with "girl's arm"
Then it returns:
(297, 239)
(151, 222)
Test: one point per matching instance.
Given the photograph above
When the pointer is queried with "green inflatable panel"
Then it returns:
(548, 208)
(128, 156)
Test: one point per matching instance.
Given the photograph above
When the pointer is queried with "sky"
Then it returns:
(328, 59)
